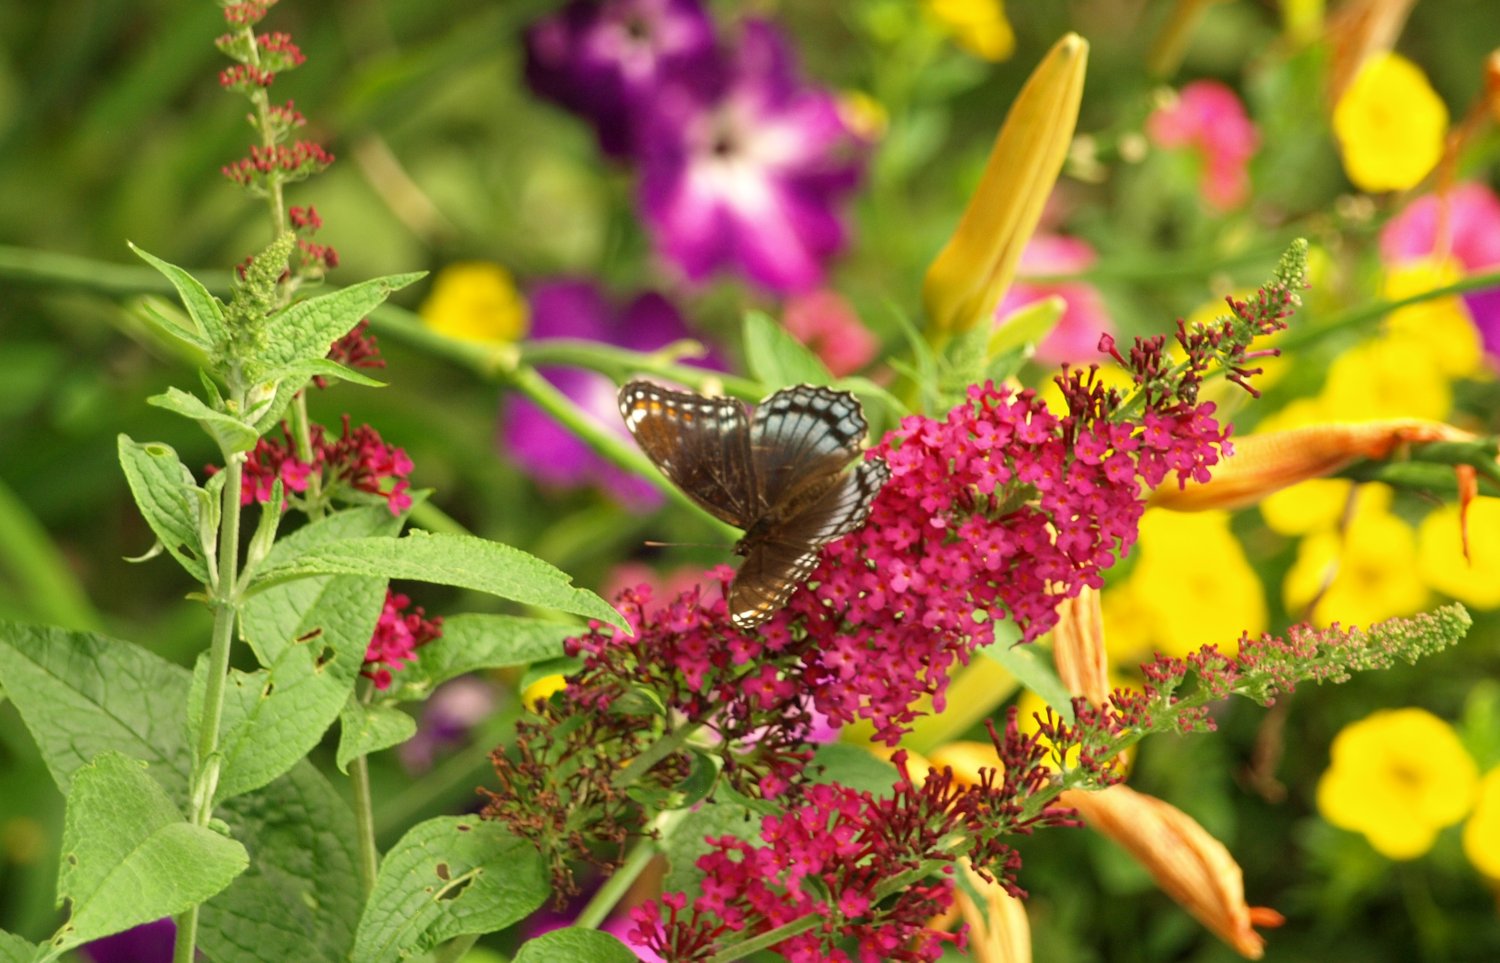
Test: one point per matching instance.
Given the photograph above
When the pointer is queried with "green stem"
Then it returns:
(621, 364)
(619, 882)
(262, 102)
(226, 606)
(364, 818)
(1365, 313)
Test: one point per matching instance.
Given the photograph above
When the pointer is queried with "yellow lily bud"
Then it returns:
(999, 931)
(972, 272)
(1268, 462)
(1187, 863)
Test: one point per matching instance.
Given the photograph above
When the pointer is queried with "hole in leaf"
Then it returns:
(311, 635)
(324, 657)
(457, 889)
(443, 873)
(266, 692)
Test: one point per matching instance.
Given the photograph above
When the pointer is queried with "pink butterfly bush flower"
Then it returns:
(578, 309)
(1465, 224)
(748, 172)
(397, 635)
(828, 324)
(1209, 118)
(605, 61)
(358, 459)
(1084, 320)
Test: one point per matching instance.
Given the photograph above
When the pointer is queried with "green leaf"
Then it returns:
(855, 767)
(461, 560)
(1026, 326)
(725, 816)
(128, 856)
(13, 949)
(230, 433)
(449, 876)
(306, 330)
(473, 642)
(366, 729)
(776, 359)
(327, 368)
(168, 498)
(203, 307)
(300, 899)
(82, 694)
(1035, 671)
(576, 946)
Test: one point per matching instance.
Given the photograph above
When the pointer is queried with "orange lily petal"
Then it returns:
(1078, 647)
(1268, 462)
(1188, 864)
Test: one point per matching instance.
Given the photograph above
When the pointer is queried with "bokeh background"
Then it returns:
(114, 128)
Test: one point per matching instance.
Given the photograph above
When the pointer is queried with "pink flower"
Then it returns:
(1209, 118)
(1463, 223)
(397, 635)
(827, 324)
(1076, 337)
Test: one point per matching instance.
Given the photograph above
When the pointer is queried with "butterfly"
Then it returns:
(778, 472)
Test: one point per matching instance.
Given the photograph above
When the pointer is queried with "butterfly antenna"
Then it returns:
(654, 544)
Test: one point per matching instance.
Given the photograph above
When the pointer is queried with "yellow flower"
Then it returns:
(476, 301)
(864, 115)
(1482, 831)
(978, 26)
(1386, 378)
(1191, 587)
(1441, 326)
(1373, 566)
(1306, 507)
(543, 689)
(1398, 776)
(1390, 125)
(1440, 559)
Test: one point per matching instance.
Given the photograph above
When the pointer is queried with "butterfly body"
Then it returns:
(778, 472)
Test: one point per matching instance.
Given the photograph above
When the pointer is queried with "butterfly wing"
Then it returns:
(802, 437)
(702, 444)
(777, 564)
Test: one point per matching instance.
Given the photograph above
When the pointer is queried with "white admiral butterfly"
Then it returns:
(778, 473)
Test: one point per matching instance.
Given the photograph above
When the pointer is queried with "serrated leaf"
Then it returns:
(231, 434)
(776, 359)
(323, 367)
(459, 560)
(202, 307)
(855, 767)
(689, 839)
(169, 500)
(1035, 672)
(447, 877)
(13, 949)
(168, 322)
(82, 694)
(300, 898)
(129, 857)
(366, 729)
(473, 642)
(576, 946)
(306, 330)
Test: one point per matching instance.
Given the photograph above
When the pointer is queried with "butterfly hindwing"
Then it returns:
(702, 444)
(804, 435)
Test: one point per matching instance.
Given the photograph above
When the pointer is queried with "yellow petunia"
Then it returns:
(1385, 378)
(1441, 326)
(978, 26)
(1390, 125)
(1192, 586)
(1482, 831)
(1474, 581)
(1399, 776)
(476, 301)
(1374, 576)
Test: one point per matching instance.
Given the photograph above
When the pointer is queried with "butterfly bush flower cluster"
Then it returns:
(742, 166)
(398, 632)
(358, 459)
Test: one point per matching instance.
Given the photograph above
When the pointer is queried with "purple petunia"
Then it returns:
(552, 454)
(749, 173)
(743, 167)
(604, 60)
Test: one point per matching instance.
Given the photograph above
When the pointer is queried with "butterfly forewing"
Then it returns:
(781, 476)
(777, 564)
(702, 444)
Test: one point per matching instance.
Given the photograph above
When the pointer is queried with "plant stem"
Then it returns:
(364, 817)
(226, 608)
(619, 882)
(654, 753)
